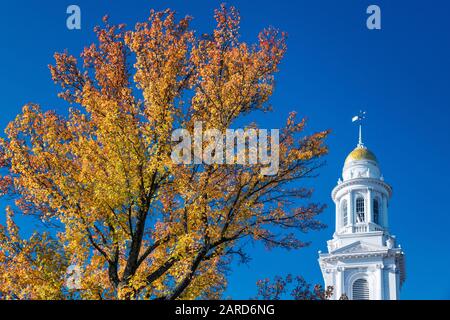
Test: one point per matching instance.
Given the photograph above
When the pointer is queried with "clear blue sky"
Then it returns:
(334, 67)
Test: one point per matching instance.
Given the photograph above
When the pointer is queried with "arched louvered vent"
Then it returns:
(360, 211)
(361, 290)
(376, 211)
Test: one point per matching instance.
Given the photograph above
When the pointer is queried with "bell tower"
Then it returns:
(363, 260)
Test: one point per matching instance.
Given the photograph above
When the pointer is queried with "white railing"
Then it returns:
(360, 228)
(375, 227)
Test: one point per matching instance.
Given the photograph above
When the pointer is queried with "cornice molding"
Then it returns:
(335, 257)
(363, 181)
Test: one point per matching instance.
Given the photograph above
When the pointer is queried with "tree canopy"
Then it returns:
(102, 180)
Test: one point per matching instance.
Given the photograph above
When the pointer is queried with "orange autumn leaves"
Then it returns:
(136, 225)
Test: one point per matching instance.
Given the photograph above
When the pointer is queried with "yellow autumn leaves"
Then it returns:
(136, 225)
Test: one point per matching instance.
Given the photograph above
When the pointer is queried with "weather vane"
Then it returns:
(359, 119)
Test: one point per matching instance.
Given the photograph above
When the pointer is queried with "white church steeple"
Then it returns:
(363, 261)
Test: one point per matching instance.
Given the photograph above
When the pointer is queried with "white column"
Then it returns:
(339, 282)
(393, 283)
(338, 222)
(380, 281)
(351, 215)
(369, 205)
(385, 211)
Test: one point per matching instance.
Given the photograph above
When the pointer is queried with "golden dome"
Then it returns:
(360, 153)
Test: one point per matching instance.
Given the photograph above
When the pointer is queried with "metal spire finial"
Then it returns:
(359, 118)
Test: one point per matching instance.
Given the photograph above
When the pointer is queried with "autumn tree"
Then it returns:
(101, 178)
(296, 288)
